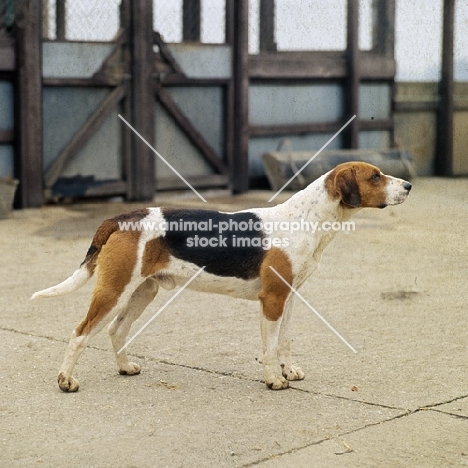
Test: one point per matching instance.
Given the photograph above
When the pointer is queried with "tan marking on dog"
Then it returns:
(358, 185)
(116, 263)
(274, 292)
(155, 257)
(104, 231)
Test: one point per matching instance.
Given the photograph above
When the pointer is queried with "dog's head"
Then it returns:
(362, 185)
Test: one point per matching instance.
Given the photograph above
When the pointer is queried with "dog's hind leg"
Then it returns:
(101, 312)
(115, 285)
(120, 326)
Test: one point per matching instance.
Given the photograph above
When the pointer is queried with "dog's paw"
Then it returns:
(67, 384)
(277, 383)
(292, 373)
(130, 369)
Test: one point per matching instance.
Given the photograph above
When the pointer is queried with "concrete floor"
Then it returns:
(396, 288)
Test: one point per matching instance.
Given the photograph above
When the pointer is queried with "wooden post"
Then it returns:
(267, 26)
(240, 162)
(28, 130)
(444, 153)
(352, 90)
(191, 20)
(142, 165)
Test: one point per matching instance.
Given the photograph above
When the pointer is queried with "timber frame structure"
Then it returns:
(135, 72)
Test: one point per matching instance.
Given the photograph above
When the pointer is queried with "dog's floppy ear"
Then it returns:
(347, 187)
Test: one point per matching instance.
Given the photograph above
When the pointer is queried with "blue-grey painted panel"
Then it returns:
(7, 161)
(101, 156)
(294, 103)
(174, 146)
(375, 101)
(65, 110)
(203, 106)
(7, 120)
(73, 59)
(203, 60)
(374, 139)
(310, 142)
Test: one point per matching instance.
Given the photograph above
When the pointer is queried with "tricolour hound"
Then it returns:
(137, 252)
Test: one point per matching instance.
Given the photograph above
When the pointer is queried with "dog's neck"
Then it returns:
(315, 203)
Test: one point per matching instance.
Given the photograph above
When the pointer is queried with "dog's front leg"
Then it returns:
(289, 371)
(270, 334)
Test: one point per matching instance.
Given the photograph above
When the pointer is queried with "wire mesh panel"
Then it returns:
(305, 25)
(76, 20)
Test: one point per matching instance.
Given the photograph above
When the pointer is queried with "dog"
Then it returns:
(250, 254)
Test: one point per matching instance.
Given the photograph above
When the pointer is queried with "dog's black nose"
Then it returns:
(407, 186)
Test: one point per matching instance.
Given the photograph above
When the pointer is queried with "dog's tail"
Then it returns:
(87, 267)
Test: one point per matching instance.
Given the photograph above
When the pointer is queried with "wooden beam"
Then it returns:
(444, 153)
(7, 136)
(166, 54)
(294, 129)
(7, 56)
(142, 171)
(267, 26)
(192, 133)
(181, 80)
(240, 162)
(376, 124)
(204, 181)
(28, 163)
(317, 127)
(352, 91)
(82, 136)
(318, 65)
(191, 20)
(98, 80)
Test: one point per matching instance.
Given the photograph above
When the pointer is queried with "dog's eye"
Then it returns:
(376, 177)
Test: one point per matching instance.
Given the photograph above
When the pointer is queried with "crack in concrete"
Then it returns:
(405, 412)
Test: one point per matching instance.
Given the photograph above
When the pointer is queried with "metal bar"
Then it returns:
(240, 163)
(384, 28)
(191, 20)
(142, 171)
(267, 26)
(352, 107)
(60, 19)
(192, 133)
(82, 136)
(229, 26)
(29, 102)
(444, 153)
